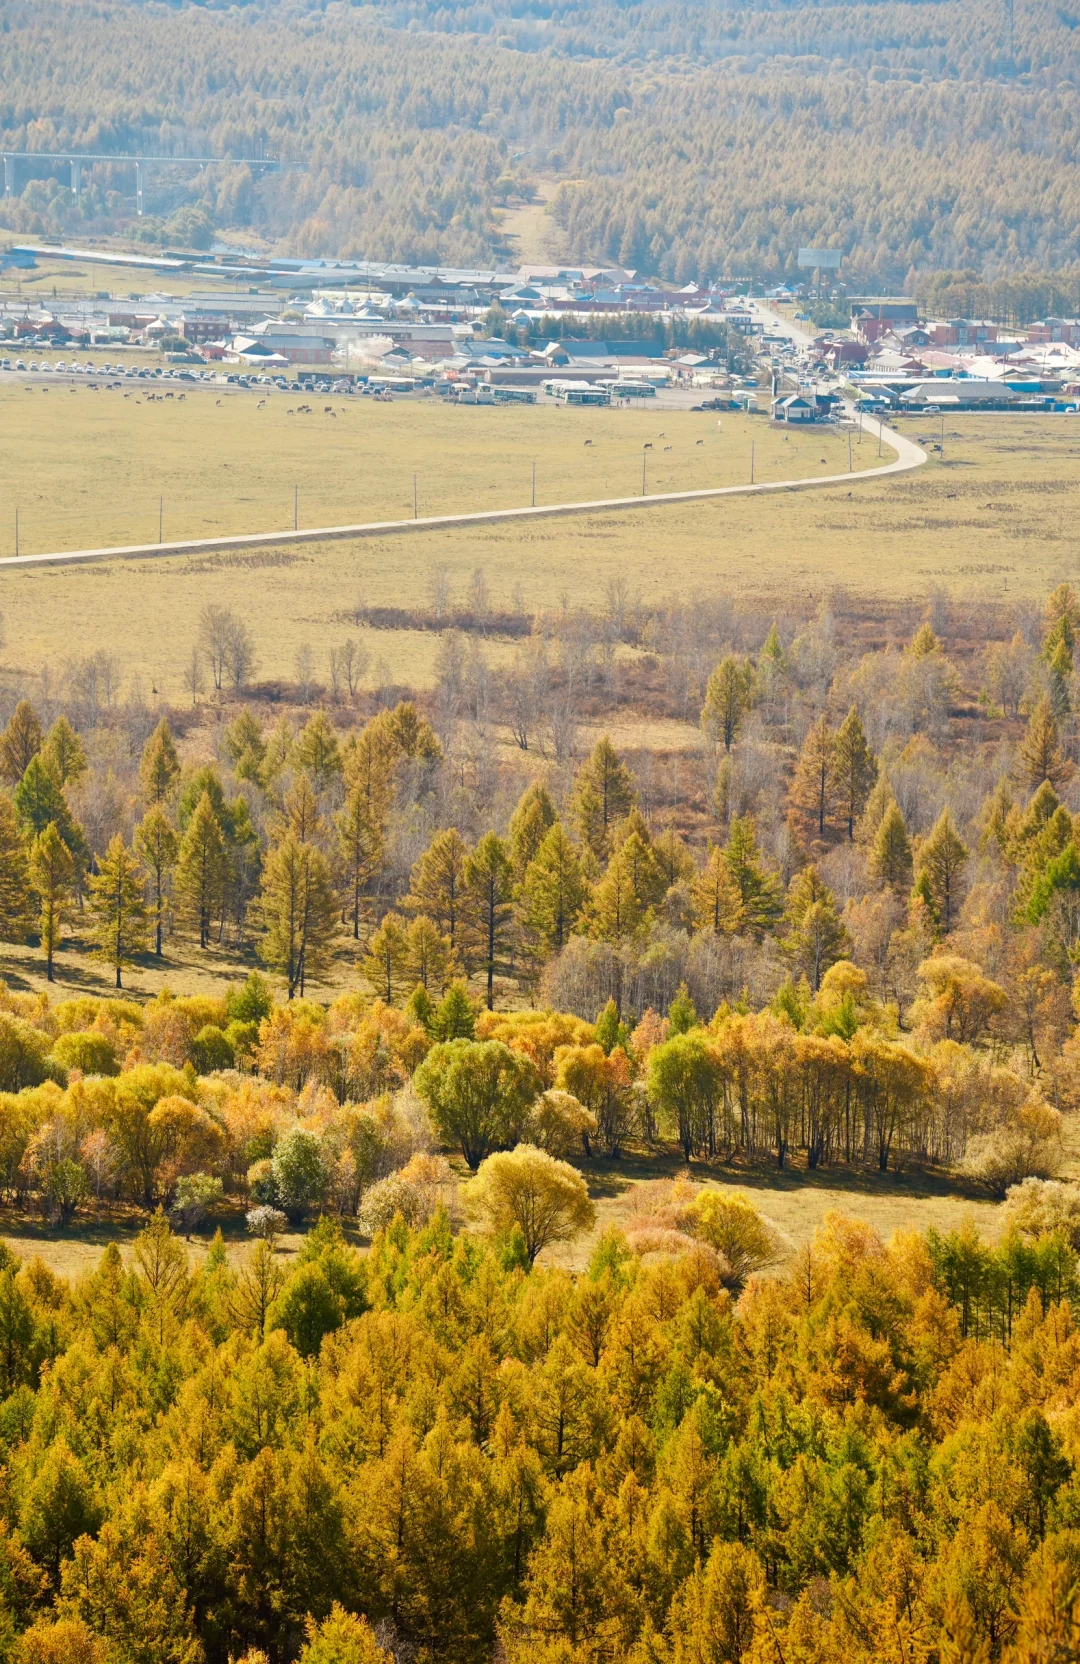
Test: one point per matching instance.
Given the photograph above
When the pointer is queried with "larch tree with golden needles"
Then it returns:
(118, 907)
(429, 959)
(52, 872)
(438, 887)
(854, 770)
(718, 903)
(728, 696)
(489, 888)
(942, 863)
(157, 845)
(1041, 755)
(812, 792)
(604, 794)
(201, 868)
(20, 742)
(16, 903)
(361, 842)
(553, 893)
(530, 824)
(387, 961)
(297, 909)
(160, 765)
(63, 753)
(890, 856)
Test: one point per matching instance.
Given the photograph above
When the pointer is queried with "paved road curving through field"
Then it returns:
(909, 455)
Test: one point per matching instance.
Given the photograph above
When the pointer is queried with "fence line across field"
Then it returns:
(909, 455)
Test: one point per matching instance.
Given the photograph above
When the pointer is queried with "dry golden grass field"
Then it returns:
(87, 466)
(995, 519)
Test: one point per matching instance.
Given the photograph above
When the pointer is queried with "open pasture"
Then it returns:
(89, 467)
(995, 519)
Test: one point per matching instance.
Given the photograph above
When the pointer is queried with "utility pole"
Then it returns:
(160, 517)
(16, 531)
(534, 486)
(751, 462)
(943, 436)
(415, 512)
(296, 508)
(644, 454)
(849, 451)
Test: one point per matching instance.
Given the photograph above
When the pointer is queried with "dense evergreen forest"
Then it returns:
(689, 141)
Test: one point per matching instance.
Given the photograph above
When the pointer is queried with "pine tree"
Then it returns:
(386, 961)
(160, 766)
(201, 868)
(553, 893)
(854, 770)
(1040, 752)
(718, 903)
(728, 697)
(118, 907)
(489, 885)
(812, 792)
(52, 872)
(530, 824)
(890, 858)
(16, 910)
(297, 912)
(942, 861)
(438, 884)
(604, 794)
(360, 849)
(20, 742)
(157, 845)
(63, 753)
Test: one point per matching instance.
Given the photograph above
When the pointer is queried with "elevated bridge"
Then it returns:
(76, 160)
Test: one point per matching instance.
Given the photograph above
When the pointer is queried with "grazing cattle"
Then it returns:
(588, 441)
(667, 447)
(648, 445)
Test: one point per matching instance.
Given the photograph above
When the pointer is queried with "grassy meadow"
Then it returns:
(226, 461)
(993, 519)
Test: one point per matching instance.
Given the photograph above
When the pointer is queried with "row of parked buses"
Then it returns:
(598, 392)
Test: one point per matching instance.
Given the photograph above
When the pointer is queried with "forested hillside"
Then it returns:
(692, 141)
